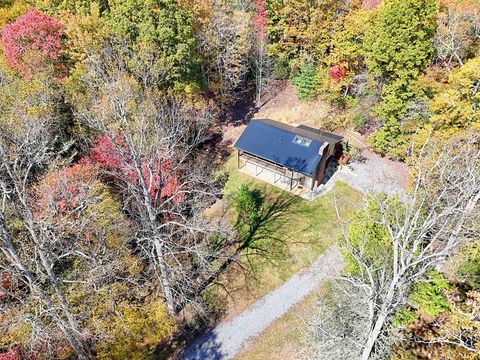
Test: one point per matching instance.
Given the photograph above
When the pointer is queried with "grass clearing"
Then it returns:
(282, 340)
(305, 230)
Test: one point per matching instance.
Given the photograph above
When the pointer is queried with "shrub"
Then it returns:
(428, 296)
(404, 317)
(358, 121)
(135, 331)
(248, 204)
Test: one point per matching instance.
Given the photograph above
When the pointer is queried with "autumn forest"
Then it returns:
(111, 161)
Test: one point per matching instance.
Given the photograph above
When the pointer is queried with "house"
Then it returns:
(286, 155)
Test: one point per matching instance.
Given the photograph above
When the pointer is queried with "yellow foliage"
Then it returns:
(82, 32)
(12, 332)
(135, 330)
(463, 323)
(14, 9)
(454, 108)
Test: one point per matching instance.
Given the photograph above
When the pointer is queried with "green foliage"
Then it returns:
(80, 7)
(389, 140)
(403, 317)
(429, 296)
(306, 82)
(469, 268)
(301, 30)
(159, 29)
(397, 49)
(426, 297)
(367, 237)
(358, 121)
(398, 46)
(248, 204)
(280, 69)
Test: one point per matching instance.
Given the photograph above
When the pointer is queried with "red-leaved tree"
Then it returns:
(13, 354)
(260, 19)
(62, 196)
(156, 173)
(338, 72)
(32, 42)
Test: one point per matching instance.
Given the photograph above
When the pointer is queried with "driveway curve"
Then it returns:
(228, 338)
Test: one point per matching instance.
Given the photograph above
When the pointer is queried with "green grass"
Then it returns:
(305, 229)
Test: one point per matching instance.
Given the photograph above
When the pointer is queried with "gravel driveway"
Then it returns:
(228, 338)
(374, 174)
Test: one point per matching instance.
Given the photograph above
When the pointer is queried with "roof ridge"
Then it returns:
(304, 130)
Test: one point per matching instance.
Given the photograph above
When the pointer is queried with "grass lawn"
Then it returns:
(304, 231)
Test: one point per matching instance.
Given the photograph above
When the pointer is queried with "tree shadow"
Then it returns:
(241, 109)
(262, 238)
(258, 236)
(203, 347)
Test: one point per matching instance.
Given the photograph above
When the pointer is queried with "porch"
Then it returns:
(271, 173)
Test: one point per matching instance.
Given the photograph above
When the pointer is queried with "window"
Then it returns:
(300, 140)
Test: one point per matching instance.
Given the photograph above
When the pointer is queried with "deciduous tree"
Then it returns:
(225, 43)
(399, 242)
(150, 152)
(32, 42)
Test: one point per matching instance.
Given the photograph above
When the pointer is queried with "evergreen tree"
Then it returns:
(398, 47)
(306, 82)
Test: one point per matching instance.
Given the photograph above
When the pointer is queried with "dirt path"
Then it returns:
(228, 338)
(286, 107)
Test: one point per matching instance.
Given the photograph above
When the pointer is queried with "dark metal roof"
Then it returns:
(285, 145)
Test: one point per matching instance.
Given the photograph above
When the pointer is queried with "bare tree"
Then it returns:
(416, 234)
(152, 154)
(261, 62)
(456, 33)
(225, 44)
(337, 330)
(26, 148)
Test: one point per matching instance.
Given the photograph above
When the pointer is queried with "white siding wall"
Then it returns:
(272, 177)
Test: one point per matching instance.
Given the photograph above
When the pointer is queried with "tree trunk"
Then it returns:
(204, 284)
(373, 336)
(72, 334)
(381, 318)
(165, 281)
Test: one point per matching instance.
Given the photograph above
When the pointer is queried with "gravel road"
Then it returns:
(228, 338)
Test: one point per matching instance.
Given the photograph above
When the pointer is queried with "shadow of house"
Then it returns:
(330, 170)
(286, 155)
